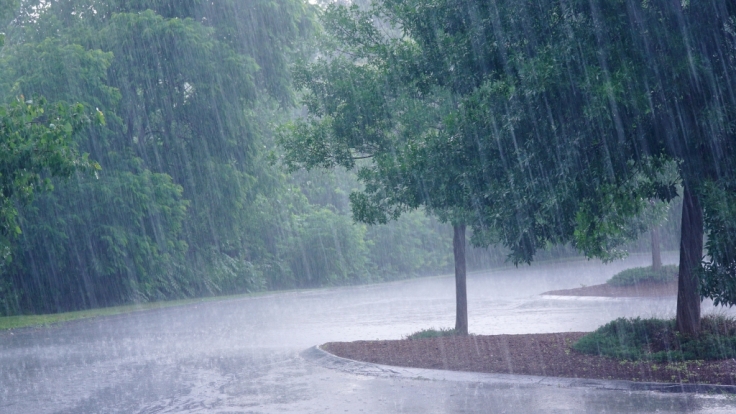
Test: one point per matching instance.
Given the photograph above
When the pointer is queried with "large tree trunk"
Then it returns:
(691, 255)
(461, 295)
(656, 252)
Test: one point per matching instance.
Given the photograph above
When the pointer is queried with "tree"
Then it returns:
(649, 79)
(352, 107)
(564, 119)
(626, 72)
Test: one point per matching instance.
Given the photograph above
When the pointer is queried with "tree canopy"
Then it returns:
(473, 145)
(549, 122)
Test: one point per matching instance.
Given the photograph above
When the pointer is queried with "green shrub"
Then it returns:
(432, 333)
(637, 275)
(657, 340)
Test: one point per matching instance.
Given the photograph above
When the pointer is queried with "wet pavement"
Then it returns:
(243, 355)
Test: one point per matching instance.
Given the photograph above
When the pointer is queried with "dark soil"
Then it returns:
(531, 354)
(606, 290)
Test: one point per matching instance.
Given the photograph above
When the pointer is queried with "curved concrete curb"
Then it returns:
(328, 360)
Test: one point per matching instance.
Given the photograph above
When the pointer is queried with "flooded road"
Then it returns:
(242, 355)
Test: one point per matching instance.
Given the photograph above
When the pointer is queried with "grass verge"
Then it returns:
(638, 275)
(657, 340)
(23, 321)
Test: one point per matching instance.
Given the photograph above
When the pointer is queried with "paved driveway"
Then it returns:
(243, 355)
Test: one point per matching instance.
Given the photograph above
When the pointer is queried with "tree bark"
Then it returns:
(691, 255)
(656, 252)
(461, 295)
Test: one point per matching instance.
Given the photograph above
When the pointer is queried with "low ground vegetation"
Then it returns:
(432, 333)
(657, 340)
(637, 275)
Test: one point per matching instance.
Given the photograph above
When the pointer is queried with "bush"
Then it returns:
(657, 340)
(638, 275)
(432, 333)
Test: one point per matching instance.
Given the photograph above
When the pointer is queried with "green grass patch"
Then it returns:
(433, 333)
(22, 321)
(656, 340)
(637, 275)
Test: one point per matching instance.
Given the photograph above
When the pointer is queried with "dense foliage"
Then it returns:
(36, 144)
(182, 197)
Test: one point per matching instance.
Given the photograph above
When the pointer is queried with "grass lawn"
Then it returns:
(22, 321)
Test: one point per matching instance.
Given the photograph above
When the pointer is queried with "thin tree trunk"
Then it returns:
(691, 255)
(656, 252)
(461, 295)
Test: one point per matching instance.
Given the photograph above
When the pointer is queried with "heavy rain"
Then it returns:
(409, 206)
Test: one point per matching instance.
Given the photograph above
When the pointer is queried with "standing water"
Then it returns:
(243, 354)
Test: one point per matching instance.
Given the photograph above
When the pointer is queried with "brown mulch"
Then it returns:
(606, 290)
(531, 354)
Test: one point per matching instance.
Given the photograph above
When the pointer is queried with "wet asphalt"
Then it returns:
(245, 355)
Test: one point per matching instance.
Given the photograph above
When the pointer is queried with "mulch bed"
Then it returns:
(606, 290)
(530, 354)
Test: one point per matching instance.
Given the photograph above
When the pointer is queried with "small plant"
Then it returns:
(637, 275)
(432, 333)
(657, 340)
